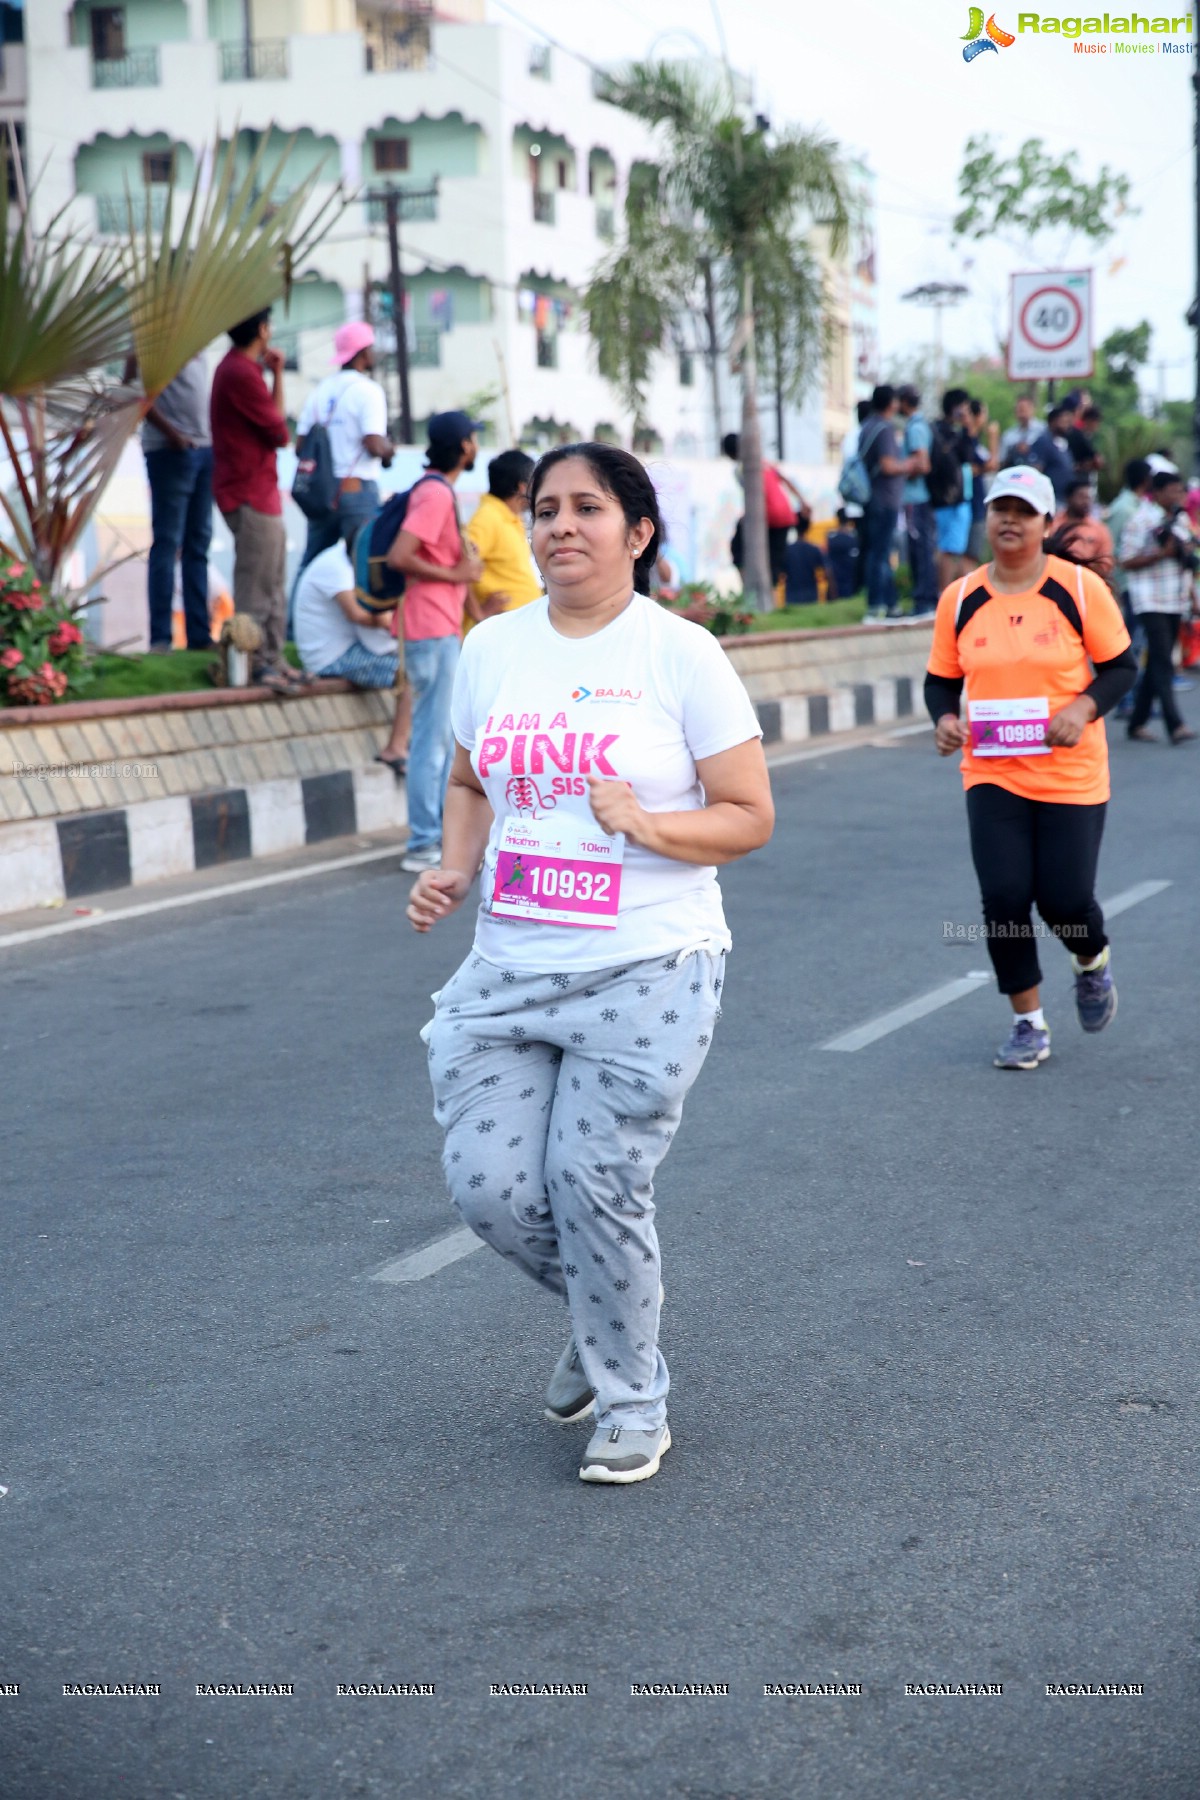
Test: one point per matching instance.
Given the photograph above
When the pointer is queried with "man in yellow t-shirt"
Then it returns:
(497, 530)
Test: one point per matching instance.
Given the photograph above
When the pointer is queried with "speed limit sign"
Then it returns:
(1051, 329)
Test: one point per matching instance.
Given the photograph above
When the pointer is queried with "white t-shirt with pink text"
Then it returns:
(641, 701)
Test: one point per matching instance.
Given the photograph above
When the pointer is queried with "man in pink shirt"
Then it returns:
(438, 564)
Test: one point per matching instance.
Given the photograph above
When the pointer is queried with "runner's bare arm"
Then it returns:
(738, 814)
(466, 822)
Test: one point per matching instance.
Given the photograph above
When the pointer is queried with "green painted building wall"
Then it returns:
(108, 164)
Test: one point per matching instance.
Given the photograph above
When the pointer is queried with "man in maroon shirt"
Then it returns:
(248, 427)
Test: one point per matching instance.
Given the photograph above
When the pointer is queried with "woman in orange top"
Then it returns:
(1040, 644)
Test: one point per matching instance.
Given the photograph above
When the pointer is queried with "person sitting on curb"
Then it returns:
(335, 635)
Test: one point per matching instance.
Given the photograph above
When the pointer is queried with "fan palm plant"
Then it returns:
(728, 198)
(68, 309)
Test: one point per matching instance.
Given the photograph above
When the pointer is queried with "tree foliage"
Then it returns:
(1023, 196)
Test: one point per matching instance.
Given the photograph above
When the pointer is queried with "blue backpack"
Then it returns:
(854, 484)
(378, 588)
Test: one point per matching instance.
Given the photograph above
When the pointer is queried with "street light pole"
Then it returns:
(938, 295)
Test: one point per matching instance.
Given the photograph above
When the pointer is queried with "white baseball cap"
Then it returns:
(1161, 465)
(1024, 483)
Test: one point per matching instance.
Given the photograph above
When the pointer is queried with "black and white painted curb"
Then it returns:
(797, 717)
(45, 861)
(48, 860)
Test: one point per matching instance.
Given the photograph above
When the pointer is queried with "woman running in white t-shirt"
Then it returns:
(607, 759)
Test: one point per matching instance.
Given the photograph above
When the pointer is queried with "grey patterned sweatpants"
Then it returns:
(559, 1096)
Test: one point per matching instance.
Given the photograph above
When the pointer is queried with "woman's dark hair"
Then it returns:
(245, 331)
(731, 446)
(623, 478)
(1060, 544)
(507, 471)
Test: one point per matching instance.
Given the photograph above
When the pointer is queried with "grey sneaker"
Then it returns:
(616, 1455)
(1027, 1046)
(1095, 995)
(428, 858)
(569, 1395)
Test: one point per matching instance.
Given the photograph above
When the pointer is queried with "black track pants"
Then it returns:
(1035, 853)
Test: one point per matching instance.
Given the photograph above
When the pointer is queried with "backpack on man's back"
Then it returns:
(378, 587)
(945, 477)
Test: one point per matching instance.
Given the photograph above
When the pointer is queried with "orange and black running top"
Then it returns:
(1024, 657)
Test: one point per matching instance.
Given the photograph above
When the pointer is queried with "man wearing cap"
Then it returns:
(353, 409)
(439, 564)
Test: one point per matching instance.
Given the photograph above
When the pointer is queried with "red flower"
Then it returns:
(15, 570)
(10, 658)
(63, 637)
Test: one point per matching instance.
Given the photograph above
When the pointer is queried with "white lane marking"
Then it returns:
(444, 1250)
(900, 1016)
(36, 932)
(1145, 890)
(862, 1035)
(836, 745)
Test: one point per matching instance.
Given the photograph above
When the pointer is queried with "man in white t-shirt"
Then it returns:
(334, 634)
(353, 409)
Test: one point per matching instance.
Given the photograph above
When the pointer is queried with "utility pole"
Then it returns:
(394, 200)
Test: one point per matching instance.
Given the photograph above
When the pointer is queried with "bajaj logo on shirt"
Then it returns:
(606, 696)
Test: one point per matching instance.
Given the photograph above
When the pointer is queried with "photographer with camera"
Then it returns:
(1158, 554)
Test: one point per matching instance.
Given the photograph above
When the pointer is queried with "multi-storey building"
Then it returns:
(510, 167)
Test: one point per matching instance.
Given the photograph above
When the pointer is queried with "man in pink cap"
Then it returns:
(353, 409)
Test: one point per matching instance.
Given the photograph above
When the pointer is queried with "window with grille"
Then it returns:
(158, 168)
(391, 155)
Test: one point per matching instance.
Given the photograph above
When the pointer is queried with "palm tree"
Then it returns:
(68, 309)
(728, 198)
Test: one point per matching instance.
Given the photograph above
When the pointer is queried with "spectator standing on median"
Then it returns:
(1057, 461)
(918, 512)
(984, 436)
(177, 445)
(248, 427)
(439, 565)
(352, 407)
(879, 448)
(781, 512)
(335, 635)
(950, 481)
(509, 579)
(1022, 442)
(1158, 553)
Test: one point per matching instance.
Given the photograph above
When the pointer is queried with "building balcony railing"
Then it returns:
(547, 350)
(255, 59)
(606, 223)
(137, 68)
(410, 49)
(543, 207)
(539, 61)
(112, 211)
(419, 207)
(425, 350)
